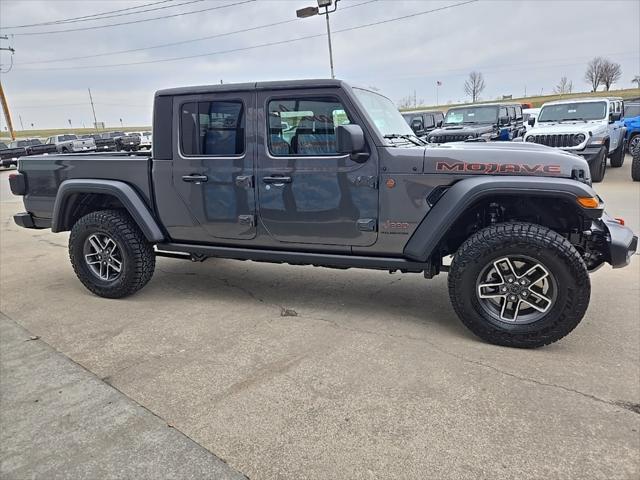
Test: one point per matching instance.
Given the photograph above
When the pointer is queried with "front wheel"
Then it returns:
(110, 255)
(519, 285)
(617, 158)
(635, 166)
(599, 166)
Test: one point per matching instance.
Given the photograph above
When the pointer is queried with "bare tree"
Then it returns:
(564, 86)
(636, 80)
(611, 73)
(594, 73)
(474, 85)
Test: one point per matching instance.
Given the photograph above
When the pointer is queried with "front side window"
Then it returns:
(573, 111)
(518, 112)
(212, 128)
(471, 115)
(512, 113)
(304, 126)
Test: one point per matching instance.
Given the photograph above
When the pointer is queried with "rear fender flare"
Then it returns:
(462, 195)
(124, 192)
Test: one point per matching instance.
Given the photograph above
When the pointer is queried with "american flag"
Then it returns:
(438, 83)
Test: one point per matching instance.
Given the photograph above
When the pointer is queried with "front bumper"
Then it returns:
(619, 244)
(26, 220)
(590, 154)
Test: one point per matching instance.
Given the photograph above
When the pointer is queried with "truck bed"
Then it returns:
(44, 174)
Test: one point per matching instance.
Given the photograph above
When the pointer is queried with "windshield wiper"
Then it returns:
(572, 120)
(410, 138)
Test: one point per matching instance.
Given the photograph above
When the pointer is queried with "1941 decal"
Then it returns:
(498, 168)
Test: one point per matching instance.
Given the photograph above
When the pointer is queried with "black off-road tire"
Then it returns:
(599, 166)
(633, 144)
(635, 166)
(617, 158)
(137, 254)
(539, 243)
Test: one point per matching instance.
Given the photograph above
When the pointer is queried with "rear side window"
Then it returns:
(212, 128)
(304, 126)
(429, 121)
(518, 112)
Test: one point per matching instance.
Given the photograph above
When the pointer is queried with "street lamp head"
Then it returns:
(324, 3)
(307, 12)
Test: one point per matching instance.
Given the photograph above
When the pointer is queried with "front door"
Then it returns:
(213, 165)
(307, 192)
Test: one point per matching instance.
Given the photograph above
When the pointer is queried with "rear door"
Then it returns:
(307, 192)
(213, 164)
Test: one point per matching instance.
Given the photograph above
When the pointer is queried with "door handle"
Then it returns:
(195, 178)
(276, 180)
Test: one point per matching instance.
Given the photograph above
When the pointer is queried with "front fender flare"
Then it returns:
(463, 194)
(129, 198)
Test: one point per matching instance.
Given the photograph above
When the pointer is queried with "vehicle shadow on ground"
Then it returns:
(316, 293)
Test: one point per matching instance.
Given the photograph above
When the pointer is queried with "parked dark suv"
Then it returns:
(489, 122)
(424, 122)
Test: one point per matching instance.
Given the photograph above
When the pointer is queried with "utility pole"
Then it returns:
(95, 120)
(21, 125)
(311, 11)
(3, 99)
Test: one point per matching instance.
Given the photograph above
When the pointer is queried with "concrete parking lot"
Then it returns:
(303, 372)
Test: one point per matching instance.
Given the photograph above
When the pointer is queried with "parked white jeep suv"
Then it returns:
(589, 127)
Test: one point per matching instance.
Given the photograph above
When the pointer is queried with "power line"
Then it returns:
(182, 42)
(69, 20)
(96, 27)
(251, 47)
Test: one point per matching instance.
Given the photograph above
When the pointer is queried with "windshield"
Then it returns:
(384, 113)
(573, 111)
(66, 138)
(457, 116)
(631, 111)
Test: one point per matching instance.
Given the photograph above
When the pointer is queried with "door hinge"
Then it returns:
(248, 220)
(245, 181)
(367, 224)
(366, 181)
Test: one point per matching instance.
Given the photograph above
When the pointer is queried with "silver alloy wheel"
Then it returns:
(516, 289)
(103, 257)
(634, 144)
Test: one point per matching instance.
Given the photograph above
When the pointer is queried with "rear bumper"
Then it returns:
(26, 220)
(621, 242)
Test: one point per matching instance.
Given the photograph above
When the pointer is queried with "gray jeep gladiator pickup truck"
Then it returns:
(315, 172)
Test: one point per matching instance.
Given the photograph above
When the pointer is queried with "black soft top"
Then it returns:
(242, 87)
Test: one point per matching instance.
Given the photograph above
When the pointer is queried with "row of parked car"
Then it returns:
(71, 143)
(595, 128)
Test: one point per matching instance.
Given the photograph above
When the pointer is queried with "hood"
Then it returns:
(632, 122)
(485, 158)
(562, 128)
(463, 129)
(504, 158)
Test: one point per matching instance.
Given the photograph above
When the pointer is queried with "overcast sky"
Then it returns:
(517, 45)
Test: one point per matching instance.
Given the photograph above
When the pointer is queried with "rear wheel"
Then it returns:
(110, 255)
(635, 166)
(599, 166)
(617, 158)
(519, 285)
(634, 144)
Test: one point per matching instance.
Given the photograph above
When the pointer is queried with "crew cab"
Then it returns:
(487, 121)
(103, 143)
(590, 127)
(632, 124)
(347, 184)
(33, 146)
(9, 156)
(70, 143)
(423, 122)
(145, 139)
(129, 142)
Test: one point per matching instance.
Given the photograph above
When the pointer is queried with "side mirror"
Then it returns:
(531, 122)
(614, 117)
(502, 121)
(416, 126)
(350, 139)
(439, 123)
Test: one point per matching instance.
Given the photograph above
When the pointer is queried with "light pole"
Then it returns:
(311, 11)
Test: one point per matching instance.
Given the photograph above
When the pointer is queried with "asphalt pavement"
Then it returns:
(301, 372)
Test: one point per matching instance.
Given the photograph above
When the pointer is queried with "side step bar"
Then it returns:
(200, 252)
